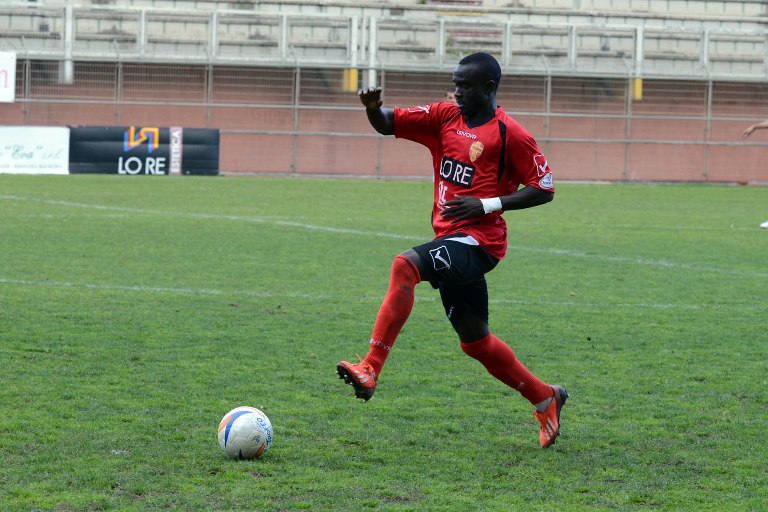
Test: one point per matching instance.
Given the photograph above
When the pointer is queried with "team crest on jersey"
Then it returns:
(475, 150)
(541, 164)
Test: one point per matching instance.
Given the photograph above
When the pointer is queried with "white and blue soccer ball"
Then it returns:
(245, 433)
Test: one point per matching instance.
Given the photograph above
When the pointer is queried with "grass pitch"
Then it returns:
(135, 312)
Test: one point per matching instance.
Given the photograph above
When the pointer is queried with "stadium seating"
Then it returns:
(587, 37)
(687, 8)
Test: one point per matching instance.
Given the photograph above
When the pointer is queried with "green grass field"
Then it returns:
(135, 312)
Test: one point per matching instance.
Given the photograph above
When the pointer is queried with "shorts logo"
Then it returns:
(441, 260)
(541, 164)
(475, 150)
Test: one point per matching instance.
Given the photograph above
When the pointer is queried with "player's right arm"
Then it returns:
(382, 119)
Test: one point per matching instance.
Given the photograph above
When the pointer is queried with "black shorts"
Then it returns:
(456, 265)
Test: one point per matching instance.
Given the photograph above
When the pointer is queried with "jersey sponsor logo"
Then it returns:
(422, 108)
(546, 181)
(133, 138)
(466, 134)
(475, 150)
(456, 172)
(441, 260)
(540, 161)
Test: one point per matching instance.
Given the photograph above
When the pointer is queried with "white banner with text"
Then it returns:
(7, 77)
(34, 150)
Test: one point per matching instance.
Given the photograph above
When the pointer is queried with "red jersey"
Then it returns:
(490, 160)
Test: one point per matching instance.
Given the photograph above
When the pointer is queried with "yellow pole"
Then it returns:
(350, 80)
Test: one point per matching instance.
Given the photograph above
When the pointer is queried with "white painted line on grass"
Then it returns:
(373, 299)
(637, 261)
(156, 289)
(211, 216)
(378, 234)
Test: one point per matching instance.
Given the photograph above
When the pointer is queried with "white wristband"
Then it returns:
(492, 204)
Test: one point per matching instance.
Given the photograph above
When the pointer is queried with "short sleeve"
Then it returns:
(529, 163)
(420, 124)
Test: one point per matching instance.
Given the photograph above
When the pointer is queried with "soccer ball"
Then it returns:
(245, 433)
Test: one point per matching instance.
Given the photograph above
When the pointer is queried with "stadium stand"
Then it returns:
(585, 37)
(688, 8)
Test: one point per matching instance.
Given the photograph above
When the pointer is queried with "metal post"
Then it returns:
(548, 114)
(27, 88)
(507, 44)
(296, 97)
(352, 51)
(142, 42)
(373, 51)
(632, 83)
(704, 50)
(639, 51)
(66, 67)
(441, 42)
(119, 93)
(628, 126)
(572, 36)
(708, 131)
(765, 55)
(209, 95)
(380, 139)
(213, 36)
(284, 36)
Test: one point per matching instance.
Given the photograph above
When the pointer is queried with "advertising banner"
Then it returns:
(143, 150)
(34, 150)
(7, 77)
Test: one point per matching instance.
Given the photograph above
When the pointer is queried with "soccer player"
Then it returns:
(759, 126)
(481, 157)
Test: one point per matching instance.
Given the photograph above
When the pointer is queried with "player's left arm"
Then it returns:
(466, 207)
(527, 165)
(526, 197)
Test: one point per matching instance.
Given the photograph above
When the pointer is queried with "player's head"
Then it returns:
(476, 80)
(486, 66)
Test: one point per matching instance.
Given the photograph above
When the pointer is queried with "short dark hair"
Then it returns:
(486, 64)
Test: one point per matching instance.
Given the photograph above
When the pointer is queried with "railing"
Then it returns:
(495, 8)
(381, 42)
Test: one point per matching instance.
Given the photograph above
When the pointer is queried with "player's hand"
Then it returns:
(463, 207)
(370, 97)
(748, 131)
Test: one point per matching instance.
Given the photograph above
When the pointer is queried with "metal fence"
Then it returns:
(302, 121)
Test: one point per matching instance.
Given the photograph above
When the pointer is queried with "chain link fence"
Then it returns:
(305, 121)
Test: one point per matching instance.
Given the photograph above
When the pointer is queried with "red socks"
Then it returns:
(500, 361)
(497, 357)
(394, 311)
